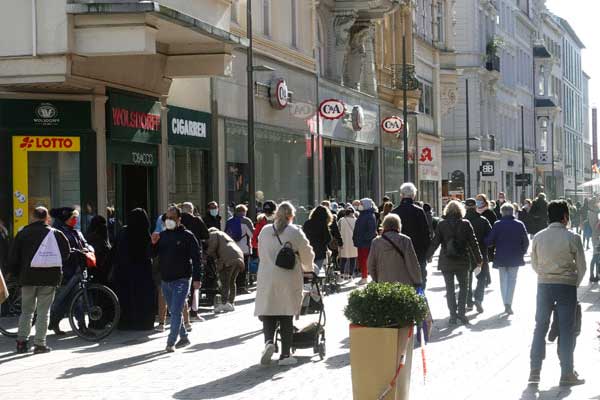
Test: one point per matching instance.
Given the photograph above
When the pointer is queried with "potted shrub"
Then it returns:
(382, 317)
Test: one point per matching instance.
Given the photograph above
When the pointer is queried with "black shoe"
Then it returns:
(183, 342)
(469, 307)
(452, 321)
(41, 349)
(508, 309)
(22, 346)
(479, 307)
(56, 328)
(242, 291)
(464, 319)
(571, 379)
(534, 375)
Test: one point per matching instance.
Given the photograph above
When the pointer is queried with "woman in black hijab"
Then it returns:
(97, 236)
(133, 273)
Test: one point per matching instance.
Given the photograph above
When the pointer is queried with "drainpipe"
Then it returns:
(34, 28)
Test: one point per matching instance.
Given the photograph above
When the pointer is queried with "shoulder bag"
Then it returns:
(390, 241)
(286, 257)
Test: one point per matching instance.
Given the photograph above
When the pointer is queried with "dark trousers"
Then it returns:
(242, 278)
(595, 266)
(481, 279)
(286, 326)
(463, 281)
(564, 299)
(228, 276)
(423, 265)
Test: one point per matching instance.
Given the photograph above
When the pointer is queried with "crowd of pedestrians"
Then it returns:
(159, 272)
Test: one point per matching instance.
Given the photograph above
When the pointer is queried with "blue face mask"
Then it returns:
(214, 212)
(479, 203)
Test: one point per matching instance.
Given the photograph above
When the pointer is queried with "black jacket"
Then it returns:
(179, 255)
(212, 222)
(335, 231)
(319, 237)
(195, 225)
(415, 226)
(462, 232)
(482, 227)
(539, 215)
(76, 241)
(24, 247)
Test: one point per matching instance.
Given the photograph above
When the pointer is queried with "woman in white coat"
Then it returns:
(348, 252)
(279, 290)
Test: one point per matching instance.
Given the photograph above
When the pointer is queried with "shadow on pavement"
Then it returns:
(497, 321)
(439, 334)
(220, 344)
(338, 361)
(114, 365)
(238, 382)
(532, 392)
(345, 344)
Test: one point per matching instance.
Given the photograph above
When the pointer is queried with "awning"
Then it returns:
(593, 182)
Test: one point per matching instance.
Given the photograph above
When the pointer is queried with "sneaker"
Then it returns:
(183, 342)
(228, 307)
(160, 328)
(188, 327)
(479, 307)
(219, 308)
(38, 349)
(287, 361)
(170, 349)
(22, 346)
(534, 375)
(571, 379)
(363, 281)
(265, 358)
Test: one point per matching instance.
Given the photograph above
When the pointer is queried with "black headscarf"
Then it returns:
(98, 227)
(138, 234)
(62, 214)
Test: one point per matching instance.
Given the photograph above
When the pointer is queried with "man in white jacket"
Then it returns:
(558, 258)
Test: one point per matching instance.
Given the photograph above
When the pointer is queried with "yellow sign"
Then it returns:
(21, 146)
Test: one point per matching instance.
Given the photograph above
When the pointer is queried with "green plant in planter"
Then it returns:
(386, 305)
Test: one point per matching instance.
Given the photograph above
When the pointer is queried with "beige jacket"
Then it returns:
(223, 249)
(557, 256)
(278, 290)
(387, 265)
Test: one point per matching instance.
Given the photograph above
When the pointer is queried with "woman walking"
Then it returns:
(348, 251)
(97, 237)
(318, 232)
(510, 238)
(279, 290)
(459, 244)
(365, 231)
(134, 284)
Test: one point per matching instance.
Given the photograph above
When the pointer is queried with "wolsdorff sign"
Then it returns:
(133, 118)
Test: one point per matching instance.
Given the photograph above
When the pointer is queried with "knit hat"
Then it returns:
(470, 203)
(269, 207)
(63, 213)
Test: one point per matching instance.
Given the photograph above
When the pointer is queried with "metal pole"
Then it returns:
(405, 106)
(553, 192)
(468, 172)
(575, 166)
(250, 83)
(522, 155)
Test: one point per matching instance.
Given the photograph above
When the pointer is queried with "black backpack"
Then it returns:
(286, 257)
(455, 248)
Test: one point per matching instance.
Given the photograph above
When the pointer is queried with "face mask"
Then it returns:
(72, 222)
(170, 224)
(360, 208)
(479, 203)
(214, 212)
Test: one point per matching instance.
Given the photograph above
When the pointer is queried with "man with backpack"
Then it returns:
(36, 258)
(240, 229)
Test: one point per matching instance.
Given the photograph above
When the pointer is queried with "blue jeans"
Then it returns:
(477, 295)
(564, 298)
(349, 265)
(62, 301)
(176, 293)
(508, 281)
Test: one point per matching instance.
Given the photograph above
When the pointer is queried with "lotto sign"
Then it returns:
(21, 146)
(392, 125)
(487, 168)
(332, 109)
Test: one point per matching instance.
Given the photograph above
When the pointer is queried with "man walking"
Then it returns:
(36, 258)
(414, 225)
(558, 258)
(179, 260)
(482, 227)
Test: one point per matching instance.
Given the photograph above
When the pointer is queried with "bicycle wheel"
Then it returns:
(94, 312)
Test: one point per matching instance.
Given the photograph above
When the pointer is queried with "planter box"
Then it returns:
(374, 356)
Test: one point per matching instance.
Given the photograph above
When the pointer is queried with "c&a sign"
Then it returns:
(392, 125)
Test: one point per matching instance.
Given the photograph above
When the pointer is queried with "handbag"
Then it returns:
(286, 257)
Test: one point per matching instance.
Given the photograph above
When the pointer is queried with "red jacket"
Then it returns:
(260, 223)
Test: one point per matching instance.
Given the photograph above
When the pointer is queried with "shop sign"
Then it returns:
(332, 109)
(49, 143)
(278, 94)
(487, 168)
(392, 125)
(358, 118)
(133, 118)
(426, 155)
(136, 154)
(188, 127)
(45, 114)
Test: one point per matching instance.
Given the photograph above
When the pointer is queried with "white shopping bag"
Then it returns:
(195, 299)
(48, 254)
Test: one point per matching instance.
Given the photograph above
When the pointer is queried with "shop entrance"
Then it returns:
(135, 187)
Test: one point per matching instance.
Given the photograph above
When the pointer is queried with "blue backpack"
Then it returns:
(233, 228)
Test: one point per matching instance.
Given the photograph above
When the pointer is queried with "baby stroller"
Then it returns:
(332, 276)
(210, 284)
(313, 335)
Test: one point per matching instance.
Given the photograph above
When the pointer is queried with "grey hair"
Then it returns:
(285, 211)
(455, 209)
(187, 207)
(507, 209)
(392, 222)
(408, 189)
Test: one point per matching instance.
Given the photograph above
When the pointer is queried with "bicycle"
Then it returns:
(10, 310)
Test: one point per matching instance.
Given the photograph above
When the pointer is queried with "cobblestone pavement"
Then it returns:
(487, 360)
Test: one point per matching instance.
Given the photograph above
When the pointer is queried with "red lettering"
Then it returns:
(68, 143)
(135, 119)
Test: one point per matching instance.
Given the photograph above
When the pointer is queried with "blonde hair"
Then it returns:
(285, 212)
(454, 209)
(392, 222)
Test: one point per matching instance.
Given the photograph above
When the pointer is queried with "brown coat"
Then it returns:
(386, 264)
(223, 249)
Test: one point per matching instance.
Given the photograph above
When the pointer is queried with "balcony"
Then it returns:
(493, 63)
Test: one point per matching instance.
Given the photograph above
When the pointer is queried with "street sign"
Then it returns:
(487, 168)
(523, 179)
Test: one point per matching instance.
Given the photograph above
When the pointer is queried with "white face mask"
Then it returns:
(360, 208)
(170, 224)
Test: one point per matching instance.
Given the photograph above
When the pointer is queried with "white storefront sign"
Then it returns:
(278, 94)
(392, 125)
(332, 109)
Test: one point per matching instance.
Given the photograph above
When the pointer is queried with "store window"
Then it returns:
(426, 101)
(332, 159)
(366, 173)
(428, 193)
(187, 178)
(394, 174)
(351, 193)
